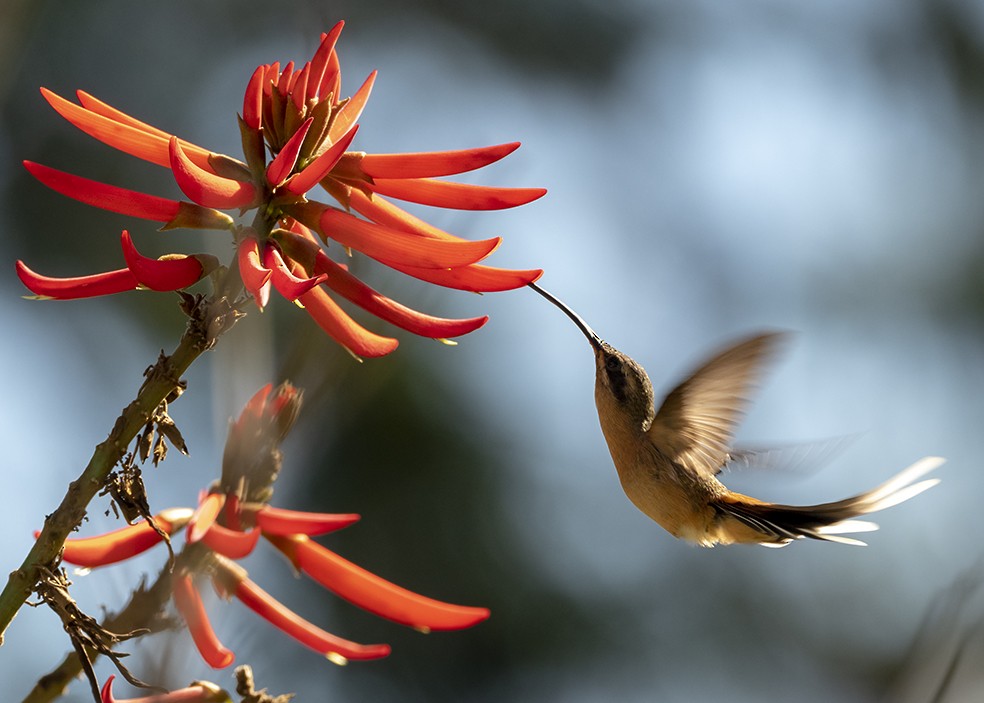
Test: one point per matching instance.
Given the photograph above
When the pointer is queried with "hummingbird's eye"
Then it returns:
(613, 363)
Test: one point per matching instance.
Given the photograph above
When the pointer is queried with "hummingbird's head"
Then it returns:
(623, 391)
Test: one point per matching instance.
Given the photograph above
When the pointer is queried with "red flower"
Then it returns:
(199, 692)
(230, 527)
(297, 117)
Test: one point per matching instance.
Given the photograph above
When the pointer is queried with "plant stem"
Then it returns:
(208, 321)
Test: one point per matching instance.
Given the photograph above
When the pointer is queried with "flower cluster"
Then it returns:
(227, 525)
(296, 131)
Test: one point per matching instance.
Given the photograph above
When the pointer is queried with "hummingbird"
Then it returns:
(668, 459)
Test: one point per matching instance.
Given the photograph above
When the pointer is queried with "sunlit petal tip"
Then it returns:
(205, 515)
(253, 99)
(233, 544)
(284, 162)
(280, 521)
(335, 648)
(165, 274)
(433, 164)
(475, 278)
(102, 195)
(313, 173)
(256, 277)
(204, 187)
(320, 60)
(372, 593)
(189, 604)
(459, 196)
(77, 287)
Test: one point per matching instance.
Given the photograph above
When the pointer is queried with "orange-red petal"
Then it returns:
(287, 284)
(321, 60)
(370, 300)
(256, 277)
(460, 196)
(230, 543)
(120, 544)
(166, 274)
(319, 168)
(372, 593)
(192, 610)
(204, 187)
(253, 99)
(284, 162)
(76, 287)
(382, 211)
(337, 649)
(123, 132)
(475, 278)
(350, 112)
(107, 197)
(197, 693)
(390, 245)
(280, 521)
(431, 164)
(342, 328)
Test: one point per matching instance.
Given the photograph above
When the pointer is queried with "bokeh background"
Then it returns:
(714, 169)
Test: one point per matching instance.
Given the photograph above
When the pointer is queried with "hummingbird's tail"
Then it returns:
(773, 525)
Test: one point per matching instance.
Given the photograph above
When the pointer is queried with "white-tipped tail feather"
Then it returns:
(781, 524)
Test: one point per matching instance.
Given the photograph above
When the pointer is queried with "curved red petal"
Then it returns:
(431, 164)
(123, 132)
(253, 99)
(206, 188)
(460, 196)
(284, 162)
(256, 277)
(383, 212)
(394, 246)
(161, 274)
(319, 168)
(321, 60)
(280, 521)
(107, 197)
(337, 649)
(350, 112)
(115, 546)
(370, 300)
(94, 104)
(475, 278)
(375, 594)
(230, 543)
(192, 610)
(342, 328)
(287, 284)
(76, 287)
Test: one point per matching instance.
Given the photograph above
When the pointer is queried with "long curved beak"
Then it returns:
(592, 336)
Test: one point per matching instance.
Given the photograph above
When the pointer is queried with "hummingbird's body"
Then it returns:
(668, 458)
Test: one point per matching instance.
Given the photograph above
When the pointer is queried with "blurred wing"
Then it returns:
(696, 422)
(801, 458)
